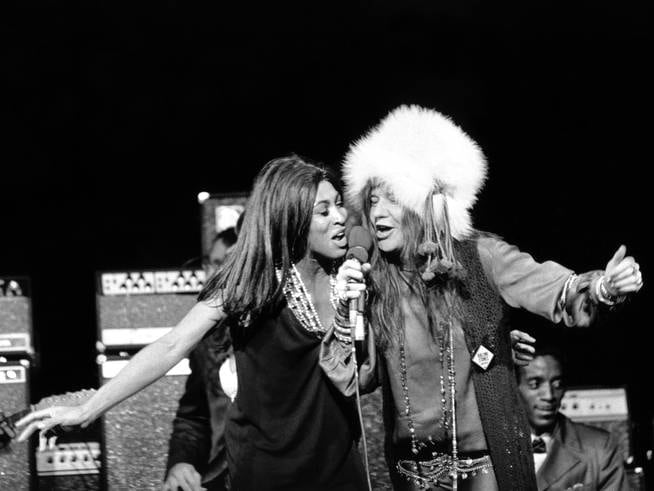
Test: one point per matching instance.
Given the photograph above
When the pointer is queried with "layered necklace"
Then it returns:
(440, 466)
(299, 300)
(448, 419)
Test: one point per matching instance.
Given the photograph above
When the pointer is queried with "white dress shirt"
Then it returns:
(539, 458)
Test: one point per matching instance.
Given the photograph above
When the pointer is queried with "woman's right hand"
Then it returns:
(350, 280)
(46, 419)
(350, 284)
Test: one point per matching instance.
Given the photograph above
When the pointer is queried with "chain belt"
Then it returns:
(442, 468)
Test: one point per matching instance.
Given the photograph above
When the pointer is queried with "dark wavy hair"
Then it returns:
(273, 234)
(391, 274)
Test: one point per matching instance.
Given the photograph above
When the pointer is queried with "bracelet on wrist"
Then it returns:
(563, 300)
(342, 338)
(603, 294)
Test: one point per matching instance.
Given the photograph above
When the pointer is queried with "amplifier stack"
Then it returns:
(133, 309)
(16, 359)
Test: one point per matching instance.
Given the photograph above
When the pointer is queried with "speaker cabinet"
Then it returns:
(15, 317)
(133, 309)
(136, 432)
(136, 307)
(603, 407)
(219, 212)
(16, 462)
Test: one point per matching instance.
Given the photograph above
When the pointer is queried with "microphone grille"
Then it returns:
(359, 237)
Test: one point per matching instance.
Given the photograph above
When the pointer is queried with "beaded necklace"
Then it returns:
(448, 420)
(299, 300)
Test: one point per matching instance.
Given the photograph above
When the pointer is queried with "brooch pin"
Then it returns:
(482, 357)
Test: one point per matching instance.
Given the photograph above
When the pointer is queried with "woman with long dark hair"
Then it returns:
(289, 428)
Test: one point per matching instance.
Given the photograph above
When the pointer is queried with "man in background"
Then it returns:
(567, 455)
(220, 247)
(196, 450)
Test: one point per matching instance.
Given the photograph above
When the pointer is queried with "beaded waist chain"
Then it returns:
(442, 468)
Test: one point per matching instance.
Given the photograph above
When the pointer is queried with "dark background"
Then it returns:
(114, 116)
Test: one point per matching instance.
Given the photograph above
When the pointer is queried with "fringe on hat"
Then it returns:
(420, 155)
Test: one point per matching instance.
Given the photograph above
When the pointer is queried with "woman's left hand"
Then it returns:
(622, 274)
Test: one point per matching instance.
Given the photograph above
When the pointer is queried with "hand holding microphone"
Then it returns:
(350, 283)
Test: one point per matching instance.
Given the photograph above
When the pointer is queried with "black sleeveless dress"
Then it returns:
(289, 428)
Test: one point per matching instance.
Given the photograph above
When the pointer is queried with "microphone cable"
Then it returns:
(359, 412)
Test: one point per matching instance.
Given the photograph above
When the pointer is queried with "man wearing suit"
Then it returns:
(196, 453)
(567, 455)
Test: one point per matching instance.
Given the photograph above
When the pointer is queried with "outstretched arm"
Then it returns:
(553, 291)
(147, 366)
(583, 294)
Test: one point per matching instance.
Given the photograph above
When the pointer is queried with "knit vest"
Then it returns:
(502, 415)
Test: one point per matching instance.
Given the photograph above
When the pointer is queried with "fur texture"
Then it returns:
(414, 151)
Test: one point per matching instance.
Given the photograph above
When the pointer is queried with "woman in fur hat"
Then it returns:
(288, 428)
(439, 292)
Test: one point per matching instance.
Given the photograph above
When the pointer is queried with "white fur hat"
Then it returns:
(415, 151)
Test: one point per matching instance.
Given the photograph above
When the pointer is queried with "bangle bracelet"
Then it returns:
(602, 293)
(606, 294)
(563, 300)
(342, 338)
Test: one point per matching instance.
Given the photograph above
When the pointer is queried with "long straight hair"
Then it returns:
(274, 234)
(391, 276)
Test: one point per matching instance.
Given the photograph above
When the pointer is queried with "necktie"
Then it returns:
(538, 445)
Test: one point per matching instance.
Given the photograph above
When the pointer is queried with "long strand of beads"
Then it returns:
(452, 381)
(444, 422)
(407, 403)
(446, 350)
(447, 365)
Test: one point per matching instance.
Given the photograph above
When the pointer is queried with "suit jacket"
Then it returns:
(582, 458)
(198, 429)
